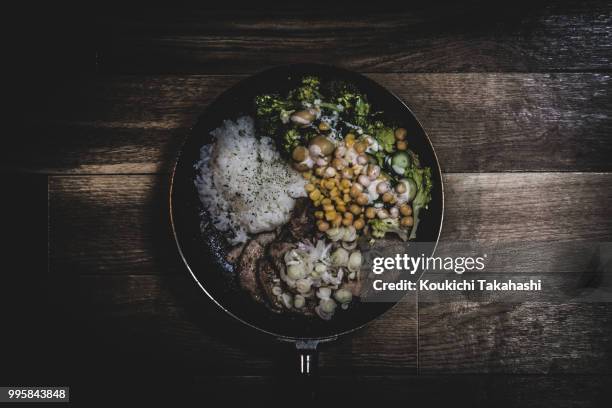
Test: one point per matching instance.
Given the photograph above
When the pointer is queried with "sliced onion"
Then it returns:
(324, 293)
(287, 300)
(299, 301)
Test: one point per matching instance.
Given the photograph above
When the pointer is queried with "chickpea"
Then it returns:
(405, 210)
(346, 197)
(340, 151)
(324, 147)
(364, 180)
(330, 172)
(314, 195)
(394, 212)
(349, 140)
(400, 133)
(359, 224)
(360, 147)
(347, 173)
(346, 222)
(339, 163)
(349, 215)
(321, 161)
(373, 171)
(330, 215)
(362, 159)
(334, 192)
(326, 201)
(300, 154)
(362, 199)
(319, 215)
(322, 225)
(356, 190)
(382, 214)
(355, 209)
(370, 212)
(401, 145)
(407, 221)
(310, 187)
(345, 183)
(307, 175)
(400, 188)
(341, 208)
(382, 188)
(387, 197)
(337, 221)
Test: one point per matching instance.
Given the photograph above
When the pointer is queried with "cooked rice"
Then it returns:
(243, 183)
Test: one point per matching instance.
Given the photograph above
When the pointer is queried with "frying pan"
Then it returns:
(203, 249)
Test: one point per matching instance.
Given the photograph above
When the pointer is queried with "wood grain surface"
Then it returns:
(127, 216)
(477, 122)
(454, 37)
(516, 100)
(130, 272)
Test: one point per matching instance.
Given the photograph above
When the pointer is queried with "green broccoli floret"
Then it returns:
(270, 104)
(353, 102)
(422, 178)
(389, 225)
(307, 92)
(380, 158)
(269, 109)
(385, 137)
(291, 140)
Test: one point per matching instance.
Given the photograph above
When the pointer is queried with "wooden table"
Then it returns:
(517, 103)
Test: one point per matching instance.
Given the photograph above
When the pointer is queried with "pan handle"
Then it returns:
(308, 370)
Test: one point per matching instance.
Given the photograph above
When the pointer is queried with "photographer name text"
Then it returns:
(460, 285)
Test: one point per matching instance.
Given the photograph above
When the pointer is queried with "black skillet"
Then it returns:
(203, 250)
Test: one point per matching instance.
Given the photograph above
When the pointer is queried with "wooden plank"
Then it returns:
(479, 36)
(530, 337)
(173, 322)
(178, 386)
(477, 122)
(456, 390)
(119, 224)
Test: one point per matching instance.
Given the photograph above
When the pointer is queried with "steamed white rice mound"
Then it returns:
(244, 184)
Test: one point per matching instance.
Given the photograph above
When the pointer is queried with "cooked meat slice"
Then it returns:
(247, 269)
(302, 223)
(354, 286)
(276, 252)
(234, 253)
(265, 238)
(268, 278)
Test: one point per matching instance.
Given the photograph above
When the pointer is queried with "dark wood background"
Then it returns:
(516, 99)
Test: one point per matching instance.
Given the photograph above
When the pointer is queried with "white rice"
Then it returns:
(243, 183)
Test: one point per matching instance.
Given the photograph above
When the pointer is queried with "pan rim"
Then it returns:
(280, 336)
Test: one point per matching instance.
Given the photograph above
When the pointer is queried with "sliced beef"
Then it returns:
(265, 238)
(234, 253)
(247, 269)
(276, 252)
(354, 286)
(268, 277)
(301, 226)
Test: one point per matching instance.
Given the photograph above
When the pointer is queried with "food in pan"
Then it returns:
(302, 189)
(244, 183)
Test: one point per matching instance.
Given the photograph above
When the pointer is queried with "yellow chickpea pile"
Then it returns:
(334, 185)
